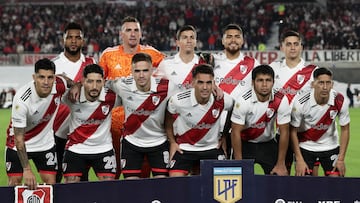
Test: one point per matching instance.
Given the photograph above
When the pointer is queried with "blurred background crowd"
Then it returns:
(37, 28)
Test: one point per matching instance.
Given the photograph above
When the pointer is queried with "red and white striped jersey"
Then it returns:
(36, 115)
(317, 126)
(90, 123)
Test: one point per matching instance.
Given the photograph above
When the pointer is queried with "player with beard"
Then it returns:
(90, 142)
(232, 70)
(70, 63)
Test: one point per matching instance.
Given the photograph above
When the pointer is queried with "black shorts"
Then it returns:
(327, 159)
(132, 158)
(185, 162)
(264, 153)
(104, 164)
(44, 161)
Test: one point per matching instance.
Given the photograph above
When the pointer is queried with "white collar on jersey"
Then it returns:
(194, 102)
(35, 97)
(255, 99)
(83, 98)
(330, 102)
(153, 85)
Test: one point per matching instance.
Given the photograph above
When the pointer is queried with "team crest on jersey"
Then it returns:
(105, 109)
(215, 113)
(243, 69)
(270, 112)
(57, 101)
(333, 114)
(300, 79)
(155, 100)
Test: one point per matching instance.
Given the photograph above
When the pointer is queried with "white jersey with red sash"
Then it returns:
(292, 81)
(90, 123)
(72, 70)
(36, 115)
(178, 72)
(259, 117)
(144, 111)
(316, 123)
(234, 76)
(198, 126)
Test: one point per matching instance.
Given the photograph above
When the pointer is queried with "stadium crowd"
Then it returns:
(38, 28)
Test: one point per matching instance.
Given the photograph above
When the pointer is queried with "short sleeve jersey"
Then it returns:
(36, 115)
(176, 71)
(307, 115)
(292, 81)
(259, 117)
(116, 63)
(191, 115)
(90, 123)
(72, 70)
(144, 111)
(234, 76)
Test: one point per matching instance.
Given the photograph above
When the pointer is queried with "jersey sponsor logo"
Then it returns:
(117, 66)
(227, 184)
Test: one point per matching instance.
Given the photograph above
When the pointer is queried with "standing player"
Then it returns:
(89, 143)
(198, 125)
(70, 63)
(313, 127)
(292, 74)
(144, 99)
(30, 134)
(253, 119)
(116, 62)
(178, 68)
(232, 70)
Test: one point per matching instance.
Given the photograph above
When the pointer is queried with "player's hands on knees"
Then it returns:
(340, 165)
(280, 170)
(29, 179)
(301, 168)
(174, 147)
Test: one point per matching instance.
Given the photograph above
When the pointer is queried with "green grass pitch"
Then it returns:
(352, 161)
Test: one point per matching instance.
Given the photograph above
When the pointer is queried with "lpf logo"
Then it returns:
(227, 184)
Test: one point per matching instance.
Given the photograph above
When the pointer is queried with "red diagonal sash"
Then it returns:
(297, 81)
(60, 89)
(65, 111)
(252, 133)
(134, 121)
(314, 133)
(79, 74)
(193, 135)
(187, 81)
(83, 132)
(237, 74)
